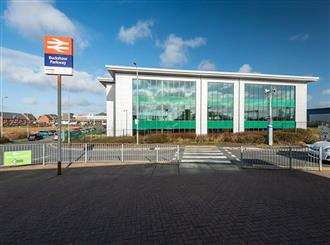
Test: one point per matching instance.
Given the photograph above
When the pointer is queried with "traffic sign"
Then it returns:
(58, 54)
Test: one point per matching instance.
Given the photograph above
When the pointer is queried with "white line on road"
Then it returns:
(200, 156)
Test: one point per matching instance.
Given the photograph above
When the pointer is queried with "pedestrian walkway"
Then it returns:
(204, 154)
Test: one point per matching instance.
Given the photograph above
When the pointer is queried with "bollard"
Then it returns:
(178, 153)
(320, 159)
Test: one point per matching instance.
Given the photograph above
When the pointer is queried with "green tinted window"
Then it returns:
(165, 104)
(257, 106)
(220, 105)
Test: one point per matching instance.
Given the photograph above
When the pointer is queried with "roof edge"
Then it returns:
(105, 80)
(112, 69)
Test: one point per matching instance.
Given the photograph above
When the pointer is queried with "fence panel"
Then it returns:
(46, 153)
(280, 158)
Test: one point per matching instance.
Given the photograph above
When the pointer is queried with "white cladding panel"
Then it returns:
(301, 105)
(124, 97)
(198, 107)
(110, 95)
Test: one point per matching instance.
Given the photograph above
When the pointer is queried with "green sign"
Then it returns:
(13, 158)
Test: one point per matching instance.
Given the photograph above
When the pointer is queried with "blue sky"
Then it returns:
(280, 37)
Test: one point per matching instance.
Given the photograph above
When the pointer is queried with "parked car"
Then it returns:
(44, 132)
(55, 137)
(314, 150)
(34, 137)
(51, 132)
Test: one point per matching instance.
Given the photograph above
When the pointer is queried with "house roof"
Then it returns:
(49, 116)
(113, 69)
(13, 115)
(29, 116)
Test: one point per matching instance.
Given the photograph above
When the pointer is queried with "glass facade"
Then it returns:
(165, 105)
(220, 102)
(256, 106)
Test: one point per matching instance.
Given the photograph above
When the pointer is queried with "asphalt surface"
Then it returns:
(164, 204)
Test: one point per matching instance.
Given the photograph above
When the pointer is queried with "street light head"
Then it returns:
(274, 91)
(134, 63)
(267, 91)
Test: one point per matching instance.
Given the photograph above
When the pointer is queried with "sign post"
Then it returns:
(59, 120)
(58, 61)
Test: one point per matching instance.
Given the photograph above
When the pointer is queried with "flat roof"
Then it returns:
(113, 69)
(105, 80)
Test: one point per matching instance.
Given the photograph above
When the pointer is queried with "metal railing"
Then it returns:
(44, 153)
(281, 157)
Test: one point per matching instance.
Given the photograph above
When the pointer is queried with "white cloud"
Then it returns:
(29, 100)
(326, 92)
(77, 102)
(176, 48)
(26, 68)
(82, 105)
(34, 19)
(206, 65)
(140, 30)
(299, 37)
(246, 68)
(324, 103)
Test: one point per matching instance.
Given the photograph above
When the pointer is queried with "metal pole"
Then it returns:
(290, 159)
(86, 151)
(137, 104)
(122, 152)
(43, 155)
(69, 116)
(320, 159)
(27, 127)
(126, 123)
(1, 94)
(270, 120)
(157, 153)
(1, 112)
(241, 151)
(59, 121)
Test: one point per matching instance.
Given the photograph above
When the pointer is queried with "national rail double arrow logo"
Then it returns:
(58, 45)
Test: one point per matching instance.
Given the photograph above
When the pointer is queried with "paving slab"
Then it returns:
(163, 204)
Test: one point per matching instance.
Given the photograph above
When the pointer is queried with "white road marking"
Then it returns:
(200, 156)
(209, 154)
(204, 161)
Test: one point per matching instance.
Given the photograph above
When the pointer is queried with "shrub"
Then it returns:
(4, 140)
(285, 136)
(296, 136)
(154, 138)
(106, 139)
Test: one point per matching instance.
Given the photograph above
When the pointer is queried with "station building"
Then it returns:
(202, 102)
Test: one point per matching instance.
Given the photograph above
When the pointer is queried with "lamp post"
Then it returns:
(269, 93)
(2, 98)
(27, 125)
(137, 104)
(69, 116)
